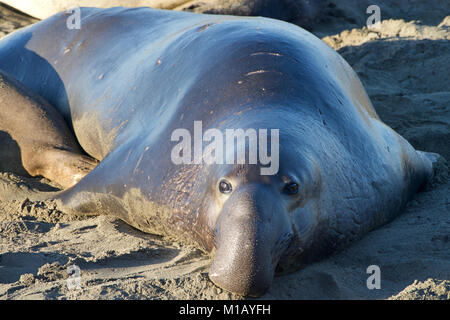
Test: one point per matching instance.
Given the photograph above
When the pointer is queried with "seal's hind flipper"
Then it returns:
(65, 167)
(439, 172)
(98, 193)
(47, 146)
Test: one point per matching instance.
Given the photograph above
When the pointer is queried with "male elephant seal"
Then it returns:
(303, 12)
(129, 78)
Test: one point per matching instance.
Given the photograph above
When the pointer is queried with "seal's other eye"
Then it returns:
(225, 186)
(291, 188)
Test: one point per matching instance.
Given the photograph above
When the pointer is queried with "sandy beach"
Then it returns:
(404, 66)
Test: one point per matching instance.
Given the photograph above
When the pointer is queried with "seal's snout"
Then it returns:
(250, 233)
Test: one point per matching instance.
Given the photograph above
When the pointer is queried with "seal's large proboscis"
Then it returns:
(130, 77)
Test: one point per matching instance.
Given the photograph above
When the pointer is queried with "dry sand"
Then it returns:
(404, 66)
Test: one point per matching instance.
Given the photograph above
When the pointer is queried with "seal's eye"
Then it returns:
(291, 188)
(225, 186)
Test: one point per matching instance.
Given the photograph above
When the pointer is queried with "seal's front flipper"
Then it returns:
(47, 146)
(99, 192)
(439, 171)
(88, 203)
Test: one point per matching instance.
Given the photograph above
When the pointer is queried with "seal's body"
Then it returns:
(130, 77)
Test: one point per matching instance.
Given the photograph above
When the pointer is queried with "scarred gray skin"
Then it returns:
(130, 77)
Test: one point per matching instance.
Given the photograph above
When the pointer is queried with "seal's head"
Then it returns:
(250, 235)
(257, 223)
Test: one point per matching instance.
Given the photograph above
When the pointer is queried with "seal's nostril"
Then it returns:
(279, 269)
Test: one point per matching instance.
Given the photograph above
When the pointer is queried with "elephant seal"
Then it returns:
(44, 9)
(302, 12)
(130, 78)
(48, 147)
